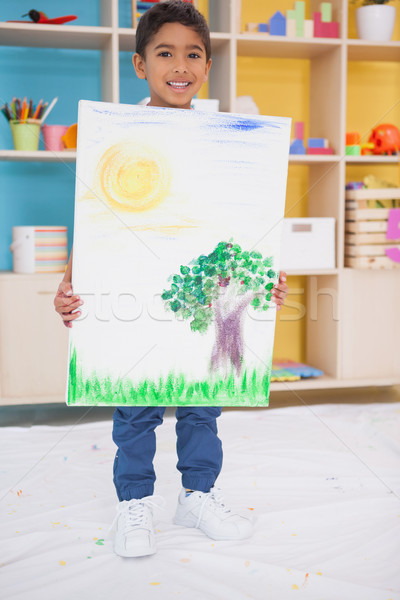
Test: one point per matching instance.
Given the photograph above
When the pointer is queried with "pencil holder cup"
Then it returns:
(52, 135)
(26, 134)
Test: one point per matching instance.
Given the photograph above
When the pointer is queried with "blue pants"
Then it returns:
(198, 447)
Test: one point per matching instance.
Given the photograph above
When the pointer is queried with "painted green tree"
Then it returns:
(217, 288)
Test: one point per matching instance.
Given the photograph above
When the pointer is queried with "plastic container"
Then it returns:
(39, 249)
(70, 137)
(26, 135)
(52, 137)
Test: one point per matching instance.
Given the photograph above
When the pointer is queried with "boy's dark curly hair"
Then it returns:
(171, 11)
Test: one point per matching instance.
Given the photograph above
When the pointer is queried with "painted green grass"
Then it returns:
(174, 390)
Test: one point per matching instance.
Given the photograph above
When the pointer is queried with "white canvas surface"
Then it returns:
(210, 177)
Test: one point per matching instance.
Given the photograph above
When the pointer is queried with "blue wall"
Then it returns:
(43, 193)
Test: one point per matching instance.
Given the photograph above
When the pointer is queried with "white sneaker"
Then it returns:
(207, 512)
(135, 532)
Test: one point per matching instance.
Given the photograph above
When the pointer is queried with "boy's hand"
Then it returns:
(280, 290)
(65, 302)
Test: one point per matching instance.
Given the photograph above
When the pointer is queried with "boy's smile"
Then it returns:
(175, 66)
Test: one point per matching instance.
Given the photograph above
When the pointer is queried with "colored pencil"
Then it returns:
(50, 108)
(36, 113)
(23, 110)
(3, 110)
(44, 106)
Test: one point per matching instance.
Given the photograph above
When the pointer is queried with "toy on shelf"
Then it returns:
(353, 144)
(37, 16)
(314, 145)
(354, 147)
(289, 370)
(372, 224)
(277, 24)
(318, 146)
(295, 25)
(325, 29)
(297, 16)
(252, 27)
(297, 145)
(386, 139)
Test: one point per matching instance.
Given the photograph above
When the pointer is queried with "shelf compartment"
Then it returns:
(282, 47)
(373, 51)
(54, 36)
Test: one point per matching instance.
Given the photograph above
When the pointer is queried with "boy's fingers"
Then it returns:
(66, 288)
(70, 316)
(279, 294)
(67, 306)
(61, 303)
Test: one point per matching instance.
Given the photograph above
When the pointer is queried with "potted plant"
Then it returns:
(375, 20)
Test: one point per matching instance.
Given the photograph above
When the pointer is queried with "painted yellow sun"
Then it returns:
(131, 177)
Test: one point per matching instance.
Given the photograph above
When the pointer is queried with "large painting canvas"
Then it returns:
(176, 248)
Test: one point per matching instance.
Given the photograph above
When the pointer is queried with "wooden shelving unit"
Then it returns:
(348, 334)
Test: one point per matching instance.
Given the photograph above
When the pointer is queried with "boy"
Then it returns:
(173, 55)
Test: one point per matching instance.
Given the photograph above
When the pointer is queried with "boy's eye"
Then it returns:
(194, 55)
(165, 53)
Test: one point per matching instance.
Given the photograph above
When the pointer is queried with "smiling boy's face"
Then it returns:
(175, 66)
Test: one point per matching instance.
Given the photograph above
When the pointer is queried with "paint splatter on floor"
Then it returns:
(100, 542)
(155, 582)
(295, 587)
(305, 580)
(185, 560)
(246, 563)
(62, 563)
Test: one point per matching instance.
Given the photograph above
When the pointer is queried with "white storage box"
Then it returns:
(308, 244)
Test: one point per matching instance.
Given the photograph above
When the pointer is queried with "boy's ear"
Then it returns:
(208, 67)
(139, 64)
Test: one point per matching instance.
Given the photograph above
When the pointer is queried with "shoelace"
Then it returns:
(135, 511)
(217, 500)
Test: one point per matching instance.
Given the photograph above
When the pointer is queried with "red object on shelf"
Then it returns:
(46, 21)
(319, 150)
(386, 139)
(299, 130)
(325, 30)
(353, 138)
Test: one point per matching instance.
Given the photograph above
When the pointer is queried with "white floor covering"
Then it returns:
(322, 483)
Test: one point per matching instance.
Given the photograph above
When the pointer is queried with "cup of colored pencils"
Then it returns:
(25, 121)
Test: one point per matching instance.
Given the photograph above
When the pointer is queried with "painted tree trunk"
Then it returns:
(228, 349)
